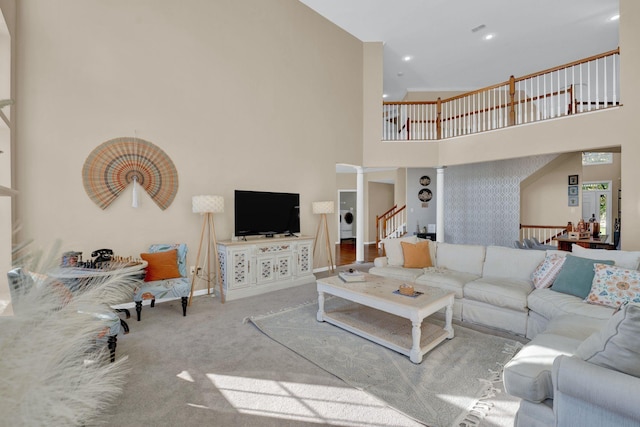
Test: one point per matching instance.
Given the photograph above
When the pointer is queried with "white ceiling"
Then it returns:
(530, 36)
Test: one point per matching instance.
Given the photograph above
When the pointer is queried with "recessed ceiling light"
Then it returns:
(384, 95)
(615, 17)
(489, 36)
(407, 58)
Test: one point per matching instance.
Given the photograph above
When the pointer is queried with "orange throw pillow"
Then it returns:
(416, 255)
(162, 265)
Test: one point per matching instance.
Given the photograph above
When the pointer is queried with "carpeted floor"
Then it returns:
(211, 368)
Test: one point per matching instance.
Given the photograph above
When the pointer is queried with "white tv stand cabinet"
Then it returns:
(262, 265)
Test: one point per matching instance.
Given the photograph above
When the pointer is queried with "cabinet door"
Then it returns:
(304, 264)
(284, 266)
(266, 269)
(239, 268)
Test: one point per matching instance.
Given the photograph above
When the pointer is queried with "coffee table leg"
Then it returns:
(448, 314)
(416, 332)
(320, 315)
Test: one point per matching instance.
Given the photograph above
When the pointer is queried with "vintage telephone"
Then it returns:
(102, 255)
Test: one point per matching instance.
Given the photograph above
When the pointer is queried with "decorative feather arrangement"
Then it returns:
(54, 363)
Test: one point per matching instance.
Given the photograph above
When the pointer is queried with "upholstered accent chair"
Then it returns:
(53, 294)
(166, 276)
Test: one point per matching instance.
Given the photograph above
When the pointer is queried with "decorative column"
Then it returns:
(440, 204)
(360, 215)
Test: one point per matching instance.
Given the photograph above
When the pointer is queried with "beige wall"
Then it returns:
(543, 195)
(382, 201)
(241, 95)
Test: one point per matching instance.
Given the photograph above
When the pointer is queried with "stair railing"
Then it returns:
(545, 234)
(391, 224)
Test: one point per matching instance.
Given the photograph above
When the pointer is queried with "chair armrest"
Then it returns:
(381, 261)
(604, 393)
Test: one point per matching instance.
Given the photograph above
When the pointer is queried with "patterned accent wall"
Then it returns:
(482, 200)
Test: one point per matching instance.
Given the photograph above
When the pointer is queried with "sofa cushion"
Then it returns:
(624, 259)
(511, 263)
(393, 249)
(528, 374)
(400, 273)
(416, 255)
(614, 286)
(161, 265)
(500, 292)
(182, 254)
(549, 304)
(490, 315)
(617, 345)
(462, 258)
(574, 326)
(446, 279)
(576, 276)
(545, 274)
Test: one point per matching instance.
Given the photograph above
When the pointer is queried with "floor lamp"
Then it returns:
(322, 209)
(207, 206)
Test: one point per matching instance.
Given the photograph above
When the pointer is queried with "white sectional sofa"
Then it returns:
(493, 287)
(491, 284)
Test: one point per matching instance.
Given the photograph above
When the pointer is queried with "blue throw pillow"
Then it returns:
(576, 276)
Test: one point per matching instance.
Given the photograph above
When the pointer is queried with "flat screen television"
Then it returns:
(266, 213)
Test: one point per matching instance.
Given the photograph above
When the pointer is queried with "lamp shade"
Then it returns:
(206, 204)
(323, 207)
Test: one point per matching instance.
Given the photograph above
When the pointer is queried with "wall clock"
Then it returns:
(425, 195)
(425, 180)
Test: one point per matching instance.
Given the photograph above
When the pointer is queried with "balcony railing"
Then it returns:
(581, 86)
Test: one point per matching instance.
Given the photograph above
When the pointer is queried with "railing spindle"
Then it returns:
(604, 60)
(597, 86)
(614, 89)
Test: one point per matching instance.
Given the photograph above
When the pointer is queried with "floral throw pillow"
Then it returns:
(614, 286)
(547, 271)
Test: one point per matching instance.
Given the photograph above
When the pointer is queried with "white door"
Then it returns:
(596, 200)
(589, 206)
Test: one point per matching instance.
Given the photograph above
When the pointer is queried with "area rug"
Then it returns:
(452, 386)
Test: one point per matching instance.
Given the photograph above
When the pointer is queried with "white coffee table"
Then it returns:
(378, 293)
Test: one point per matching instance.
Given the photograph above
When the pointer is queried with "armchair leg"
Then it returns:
(138, 309)
(111, 343)
(125, 326)
(153, 302)
(185, 300)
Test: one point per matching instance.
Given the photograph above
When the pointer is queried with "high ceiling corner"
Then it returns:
(459, 45)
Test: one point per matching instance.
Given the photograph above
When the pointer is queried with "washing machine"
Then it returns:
(346, 224)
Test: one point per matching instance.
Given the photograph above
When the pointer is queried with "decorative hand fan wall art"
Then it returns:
(115, 164)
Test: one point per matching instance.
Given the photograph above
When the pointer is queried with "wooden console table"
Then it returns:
(564, 243)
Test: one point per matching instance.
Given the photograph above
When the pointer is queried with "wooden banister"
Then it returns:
(570, 64)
